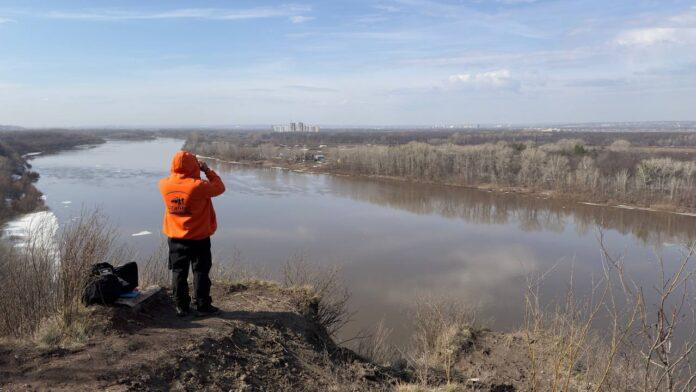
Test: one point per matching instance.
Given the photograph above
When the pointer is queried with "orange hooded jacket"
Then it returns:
(188, 208)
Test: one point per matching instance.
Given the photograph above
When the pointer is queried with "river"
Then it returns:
(394, 241)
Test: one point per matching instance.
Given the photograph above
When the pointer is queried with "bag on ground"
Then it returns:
(107, 283)
(129, 273)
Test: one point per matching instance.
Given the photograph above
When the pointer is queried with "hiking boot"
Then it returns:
(207, 310)
(182, 311)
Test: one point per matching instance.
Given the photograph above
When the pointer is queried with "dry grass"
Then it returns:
(323, 282)
(644, 347)
(154, 270)
(233, 267)
(443, 329)
(43, 282)
(29, 288)
(439, 388)
(613, 339)
(376, 345)
(326, 283)
(84, 242)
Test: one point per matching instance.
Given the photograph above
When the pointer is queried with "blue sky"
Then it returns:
(187, 63)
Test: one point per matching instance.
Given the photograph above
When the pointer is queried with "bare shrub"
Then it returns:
(664, 337)
(29, 281)
(620, 145)
(376, 347)
(443, 328)
(563, 145)
(326, 283)
(88, 240)
(234, 268)
(441, 388)
(43, 281)
(557, 339)
(644, 347)
(155, 269)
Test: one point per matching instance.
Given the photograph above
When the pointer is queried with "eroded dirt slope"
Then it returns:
(265, 339)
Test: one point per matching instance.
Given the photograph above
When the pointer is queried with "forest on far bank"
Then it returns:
(18, 195)
(648, 169)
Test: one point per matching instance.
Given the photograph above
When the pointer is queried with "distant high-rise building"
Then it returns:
(296, 127)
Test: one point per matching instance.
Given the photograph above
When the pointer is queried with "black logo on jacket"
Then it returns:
(176, 203)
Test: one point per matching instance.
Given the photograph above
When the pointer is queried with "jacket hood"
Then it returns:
(185, 165)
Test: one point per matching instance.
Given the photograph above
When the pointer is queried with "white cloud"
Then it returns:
(517, 1)
(687, 17)
(300, 19)
(656, 36)
(677, 29)
(386, 8)
(5, 20)
(493, 59)
(311, 89)
(492, 79)
(188, 13)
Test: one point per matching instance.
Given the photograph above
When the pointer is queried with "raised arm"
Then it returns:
(214, 186)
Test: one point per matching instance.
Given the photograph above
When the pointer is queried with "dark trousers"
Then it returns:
(196, 253)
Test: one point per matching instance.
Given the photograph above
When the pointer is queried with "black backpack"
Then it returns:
(107, 283)
(129, 273)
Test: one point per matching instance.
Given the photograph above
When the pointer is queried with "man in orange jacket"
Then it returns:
(189, 221)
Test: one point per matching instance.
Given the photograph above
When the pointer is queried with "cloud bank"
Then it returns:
(656, 36)
(491, 79)
(293, 12)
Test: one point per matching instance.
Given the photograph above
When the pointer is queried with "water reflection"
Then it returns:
(396, 241)
(530, 213)
(471, 244)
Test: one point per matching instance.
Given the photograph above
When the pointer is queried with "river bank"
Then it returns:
(267, 337)
(25, 204)
(270, 337)
(17, 179)
(321, 168)
(650, 177)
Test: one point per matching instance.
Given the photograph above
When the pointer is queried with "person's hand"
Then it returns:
(204, 166)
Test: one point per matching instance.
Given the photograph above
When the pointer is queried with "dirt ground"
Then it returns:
(265, 339)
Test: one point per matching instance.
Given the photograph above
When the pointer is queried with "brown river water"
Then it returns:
(394, 241)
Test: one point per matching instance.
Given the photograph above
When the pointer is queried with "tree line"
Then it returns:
(17, 192)
(441, 136)
(616, 172)
(551, 167)
(18, 195)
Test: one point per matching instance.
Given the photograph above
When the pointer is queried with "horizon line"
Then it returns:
(466, 125)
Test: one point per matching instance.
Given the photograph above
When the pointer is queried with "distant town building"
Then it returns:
(296, 127)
